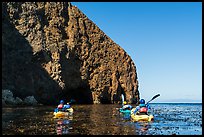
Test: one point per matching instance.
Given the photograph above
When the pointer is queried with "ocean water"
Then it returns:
(103, 119)
(177, 118)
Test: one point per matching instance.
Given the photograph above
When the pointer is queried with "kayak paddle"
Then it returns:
(153, 98)
(122, 99)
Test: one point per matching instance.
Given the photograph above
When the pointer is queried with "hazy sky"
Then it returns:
(162, 38)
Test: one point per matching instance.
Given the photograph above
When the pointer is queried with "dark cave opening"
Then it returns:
(105, 98)
(120, 91)
(80, 95)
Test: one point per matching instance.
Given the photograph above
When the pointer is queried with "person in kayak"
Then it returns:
(126, 106)
(61, 105)
(142, 108)
(67, 106)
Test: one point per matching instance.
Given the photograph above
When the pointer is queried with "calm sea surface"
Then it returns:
(169, 118)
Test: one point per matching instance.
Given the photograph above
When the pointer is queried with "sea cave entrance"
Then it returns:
(80, 95)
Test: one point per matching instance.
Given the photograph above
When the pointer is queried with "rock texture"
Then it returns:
(8, 99)
(51, 50)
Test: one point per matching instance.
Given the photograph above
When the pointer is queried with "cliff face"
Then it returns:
(51, 50)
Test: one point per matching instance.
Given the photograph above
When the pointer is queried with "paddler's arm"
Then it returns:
(148, 106)
(137, 108)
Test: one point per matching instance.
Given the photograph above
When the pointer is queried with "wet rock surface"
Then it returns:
(51, 50)
(8, 99)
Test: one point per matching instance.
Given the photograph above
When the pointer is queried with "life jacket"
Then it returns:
(143, 110)
(60, 106)
(127, 107)
(67, 106)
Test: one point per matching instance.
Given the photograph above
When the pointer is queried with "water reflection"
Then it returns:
(142, 127)
(63, 126)
(102, 120)
(125, 116)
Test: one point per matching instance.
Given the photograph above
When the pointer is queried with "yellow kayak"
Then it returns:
(62, 114)
(136, 117)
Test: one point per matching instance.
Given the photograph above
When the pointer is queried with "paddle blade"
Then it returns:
(122, 99)
(155, 96)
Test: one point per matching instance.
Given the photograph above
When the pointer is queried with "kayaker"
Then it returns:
(125, 107)
(61, 105)
(67, 106)
(142, 108)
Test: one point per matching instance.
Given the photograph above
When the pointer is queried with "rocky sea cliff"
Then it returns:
(52, 51)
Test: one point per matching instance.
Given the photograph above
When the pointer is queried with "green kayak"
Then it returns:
(124, 110)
